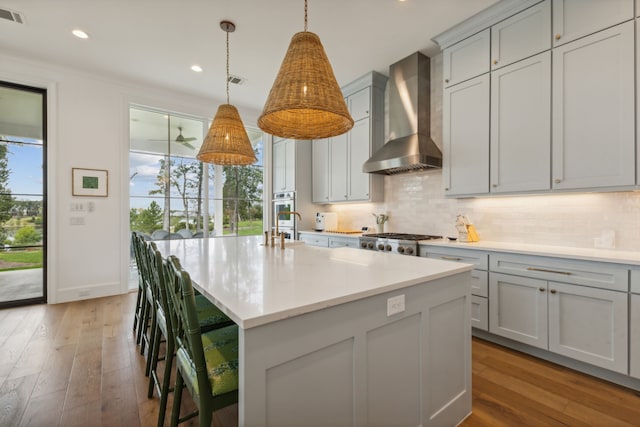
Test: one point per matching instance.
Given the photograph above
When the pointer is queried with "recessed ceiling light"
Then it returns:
(196, 68)
(80, 34)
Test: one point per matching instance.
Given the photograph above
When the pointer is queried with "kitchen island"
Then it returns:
(339, 336)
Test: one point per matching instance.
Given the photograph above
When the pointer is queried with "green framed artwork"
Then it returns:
(90, 182)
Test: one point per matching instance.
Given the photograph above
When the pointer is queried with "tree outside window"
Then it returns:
(170, 188)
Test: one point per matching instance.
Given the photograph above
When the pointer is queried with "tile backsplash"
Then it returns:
(415, 203)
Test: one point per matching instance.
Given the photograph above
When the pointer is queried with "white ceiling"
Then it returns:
(157, 41)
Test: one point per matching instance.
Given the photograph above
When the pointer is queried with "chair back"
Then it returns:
(138, 243)
(159, 273)
(187, 327)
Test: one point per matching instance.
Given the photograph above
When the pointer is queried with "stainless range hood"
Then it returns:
(410, 146)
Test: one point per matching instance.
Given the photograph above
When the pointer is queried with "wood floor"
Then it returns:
(76, 364)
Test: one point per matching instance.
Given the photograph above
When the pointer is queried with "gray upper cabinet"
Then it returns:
(524, 34)
(467, 59)
(466, 137)
(337, 162)
(593, 144)
(359, 104)
(573, 19)
(320, 171)
(284, 165)
(521, 126)
(583, 139)
(338, 151)
(359, 152)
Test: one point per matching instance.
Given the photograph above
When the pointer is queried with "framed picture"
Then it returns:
(90, 182)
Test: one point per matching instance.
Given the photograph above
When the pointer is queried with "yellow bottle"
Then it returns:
(472, 235)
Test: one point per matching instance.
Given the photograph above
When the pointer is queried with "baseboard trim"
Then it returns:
(88, 291)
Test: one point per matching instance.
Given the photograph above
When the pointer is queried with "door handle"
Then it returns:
(544, 270)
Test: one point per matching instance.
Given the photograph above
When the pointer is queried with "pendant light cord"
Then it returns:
(227, 66)
(305, 16)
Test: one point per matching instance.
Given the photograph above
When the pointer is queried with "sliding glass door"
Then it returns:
(23, 218)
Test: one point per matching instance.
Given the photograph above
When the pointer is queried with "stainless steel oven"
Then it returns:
(284, 202)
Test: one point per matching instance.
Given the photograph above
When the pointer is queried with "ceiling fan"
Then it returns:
(180, 139)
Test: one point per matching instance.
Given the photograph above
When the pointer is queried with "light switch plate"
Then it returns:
(395, 305)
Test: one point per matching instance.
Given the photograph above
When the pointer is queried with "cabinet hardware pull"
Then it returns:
(495, 62)
(494, 185)
(451, 258)
(557, 180)
(558, 36)
(541, 289)
(566, 273)
(446, 80)
(553, 291)
(446, 189)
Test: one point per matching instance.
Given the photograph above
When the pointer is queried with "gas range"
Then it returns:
(399, 243)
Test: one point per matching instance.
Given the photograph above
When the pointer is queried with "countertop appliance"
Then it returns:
(326, 221)
(399, 243)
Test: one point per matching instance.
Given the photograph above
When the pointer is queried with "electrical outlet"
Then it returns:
(395, 305)
(76, 220)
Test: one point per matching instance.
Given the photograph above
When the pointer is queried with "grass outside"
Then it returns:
(248, 228)
(20, 260)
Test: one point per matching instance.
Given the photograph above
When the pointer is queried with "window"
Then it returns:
(173, 195)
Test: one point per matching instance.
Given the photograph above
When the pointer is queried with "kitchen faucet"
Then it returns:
(286, 213)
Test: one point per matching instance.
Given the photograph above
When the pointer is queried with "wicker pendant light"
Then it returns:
(227, 142)
(305, 101)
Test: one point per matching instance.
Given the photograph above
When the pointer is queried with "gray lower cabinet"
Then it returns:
(518, 309)
(328, 241)
(577, 319)
(587, 311)
(343, 242)
(479, 279)
(589, 324)
(634, 337)
(315, 239)
(634, 325)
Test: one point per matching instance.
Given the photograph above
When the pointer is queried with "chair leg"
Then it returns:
(204, 418)
(152, 361)
(136, 317)
(152, 341)
(177, 398)
(143, 319)
(166, 381)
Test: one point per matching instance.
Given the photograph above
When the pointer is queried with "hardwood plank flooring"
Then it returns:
(77, 364)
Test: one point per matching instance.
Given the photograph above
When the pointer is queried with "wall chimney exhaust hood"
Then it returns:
(410, 147)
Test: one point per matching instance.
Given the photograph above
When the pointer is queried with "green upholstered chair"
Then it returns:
(145, 293)
(206, 363)
(209, 318)
(135, 248)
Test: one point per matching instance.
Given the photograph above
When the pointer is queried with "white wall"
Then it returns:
(88, 128)
(416, 204)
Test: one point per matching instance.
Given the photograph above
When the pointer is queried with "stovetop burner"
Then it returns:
(402, 236)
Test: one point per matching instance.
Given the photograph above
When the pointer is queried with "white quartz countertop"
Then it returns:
(256, 285)
(587, 254)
